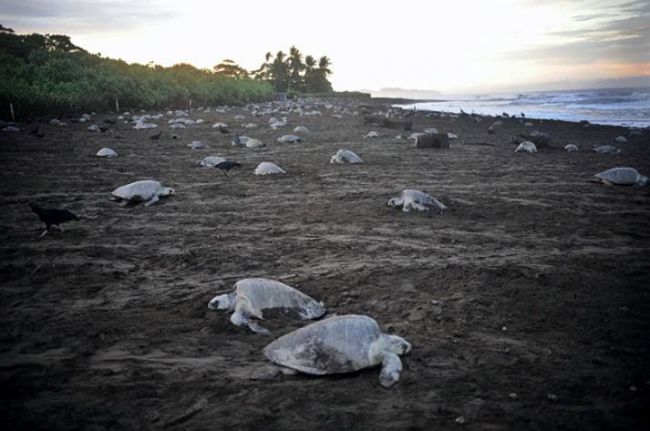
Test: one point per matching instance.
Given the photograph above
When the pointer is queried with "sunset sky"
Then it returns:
(450, 46)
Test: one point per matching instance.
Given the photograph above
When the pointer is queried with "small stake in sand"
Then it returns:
(11, 108)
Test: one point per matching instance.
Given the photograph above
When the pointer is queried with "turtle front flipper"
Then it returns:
(391, 368)
(257, 328)
(243, 315)
(152, 201)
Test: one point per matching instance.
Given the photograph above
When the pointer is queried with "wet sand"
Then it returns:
(526, 303)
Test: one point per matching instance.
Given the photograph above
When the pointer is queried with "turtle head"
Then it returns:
(395, 202)
(397, 345)
(222, 302)
(642, 181)
(166, 191)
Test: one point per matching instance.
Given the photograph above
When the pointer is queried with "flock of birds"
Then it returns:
(337, 344)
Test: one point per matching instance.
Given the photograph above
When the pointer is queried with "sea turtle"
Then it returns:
(345, 156)
(527, 147)
(106, 152)
(606, 149)
(254, 295)
(247, 141)
(416, 200)
(289, 139)
(268, 168)
(254, 143)
(571, 148)
(197, 145)
(622, 177)
(211, 161)
(147, 191)
(340, 344)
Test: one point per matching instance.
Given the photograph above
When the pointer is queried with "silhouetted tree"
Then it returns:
(290, 73)
(321, 83)
(295, 67)
(279, 72)
(229, 68)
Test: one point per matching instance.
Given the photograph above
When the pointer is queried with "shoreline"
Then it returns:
(403, 104)
(389, 103)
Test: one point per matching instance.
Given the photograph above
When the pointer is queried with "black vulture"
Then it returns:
(156, 136)
(53, 217)
(227, 165)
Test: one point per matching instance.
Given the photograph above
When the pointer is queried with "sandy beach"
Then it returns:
(526, 303)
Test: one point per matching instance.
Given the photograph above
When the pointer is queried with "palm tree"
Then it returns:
(310, 63)
(323, 65)
(321, 83)
(279, 72)
(264, 72)
(295, 66)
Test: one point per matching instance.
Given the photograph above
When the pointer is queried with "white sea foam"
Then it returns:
(624, 107)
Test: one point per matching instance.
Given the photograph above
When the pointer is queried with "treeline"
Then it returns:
(292, 72)
(48, 74)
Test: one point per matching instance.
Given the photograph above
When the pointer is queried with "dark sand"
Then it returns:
(526, 304)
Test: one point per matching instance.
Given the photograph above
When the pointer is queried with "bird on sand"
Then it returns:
(224, 130)
(37, 132)
(156, 136)
(227, 165)
(53, 217)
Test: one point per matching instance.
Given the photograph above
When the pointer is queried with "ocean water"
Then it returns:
(621, 107)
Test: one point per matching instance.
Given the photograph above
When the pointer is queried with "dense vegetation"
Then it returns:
(48, 74)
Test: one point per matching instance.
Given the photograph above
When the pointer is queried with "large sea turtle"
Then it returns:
(340, 344)
(416, 200)
(268, 168)
(622, 177)
(211, 161)
(607, 149)
(147, 191)
(106, 152)
(289, 139)
(526, 147)
(254, 295)
(345, 156)
(197, 145)
(571, 148)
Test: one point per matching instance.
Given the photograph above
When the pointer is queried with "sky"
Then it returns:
(457, 46)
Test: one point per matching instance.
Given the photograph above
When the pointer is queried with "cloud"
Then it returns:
(80, 16)
(616, 32)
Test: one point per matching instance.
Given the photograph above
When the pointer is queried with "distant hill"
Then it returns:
(402, 93)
